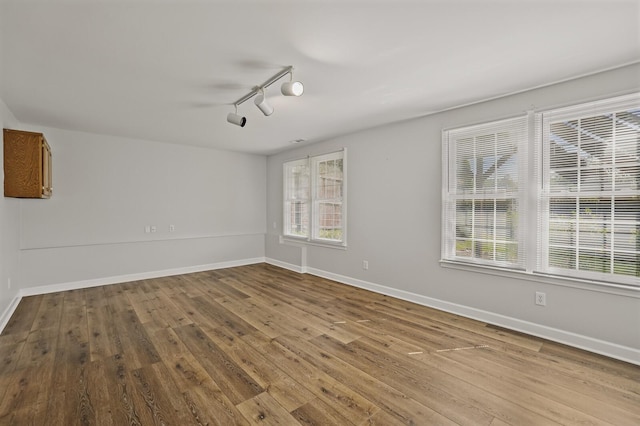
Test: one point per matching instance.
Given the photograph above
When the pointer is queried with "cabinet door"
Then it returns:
(46, 170)
(27, 165)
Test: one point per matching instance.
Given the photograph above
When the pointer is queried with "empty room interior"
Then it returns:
(316, 212)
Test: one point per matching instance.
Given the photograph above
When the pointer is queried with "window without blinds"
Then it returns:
(482, 194)
(328, 172)
(314, 198)
(590, 204)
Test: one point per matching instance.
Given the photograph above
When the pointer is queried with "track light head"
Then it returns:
(236, 119)
(262, 104)
(292, 88)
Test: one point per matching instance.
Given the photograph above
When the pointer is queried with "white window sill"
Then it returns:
(300, 242)
(598, 286)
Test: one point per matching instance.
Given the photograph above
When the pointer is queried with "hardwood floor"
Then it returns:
(262, 345)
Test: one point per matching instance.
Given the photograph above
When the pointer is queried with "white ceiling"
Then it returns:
(169, 71)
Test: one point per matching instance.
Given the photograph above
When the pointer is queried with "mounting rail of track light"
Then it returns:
(289, 88)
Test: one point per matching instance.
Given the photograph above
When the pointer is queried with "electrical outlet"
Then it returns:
(153, 228)
(365, 265)
(541, 298)
(172, 228)
(147, 229)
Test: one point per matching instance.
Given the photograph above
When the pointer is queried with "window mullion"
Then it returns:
(529, 232)
(495, 201)
(612, 225)
(579, 195)
(473, 202)
(313, 211)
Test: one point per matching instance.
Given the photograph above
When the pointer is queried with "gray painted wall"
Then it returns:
(108, 189)
(394, 221)
(9, 236)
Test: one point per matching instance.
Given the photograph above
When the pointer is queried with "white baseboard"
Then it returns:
(53, 288)
(612, 350)
(285, 265)
(6, 315)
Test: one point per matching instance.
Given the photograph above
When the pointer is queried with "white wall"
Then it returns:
(394, 216)
(9, 236)
(106, 190)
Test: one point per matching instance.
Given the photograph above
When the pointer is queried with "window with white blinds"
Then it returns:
(482, 194)
(582, 171)
(590, 200)
(315, 198)
(297, 198)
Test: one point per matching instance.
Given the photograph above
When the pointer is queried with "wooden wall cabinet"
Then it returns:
(27, 165)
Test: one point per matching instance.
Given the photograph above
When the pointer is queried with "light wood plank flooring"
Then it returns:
(262, 345)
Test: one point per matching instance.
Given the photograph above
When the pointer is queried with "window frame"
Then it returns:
(545, 119)
(313, 237)
(516, 126)
(535, 230)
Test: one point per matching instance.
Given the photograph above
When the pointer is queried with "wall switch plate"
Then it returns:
(147, 229)
(541, 298)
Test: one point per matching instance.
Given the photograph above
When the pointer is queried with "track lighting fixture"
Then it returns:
(236, 119)
(262, 104)
(290, 88)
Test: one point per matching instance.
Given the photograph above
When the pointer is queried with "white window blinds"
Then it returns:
(589, 209)
(583, 172)
(297, 197)
(483, 212)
